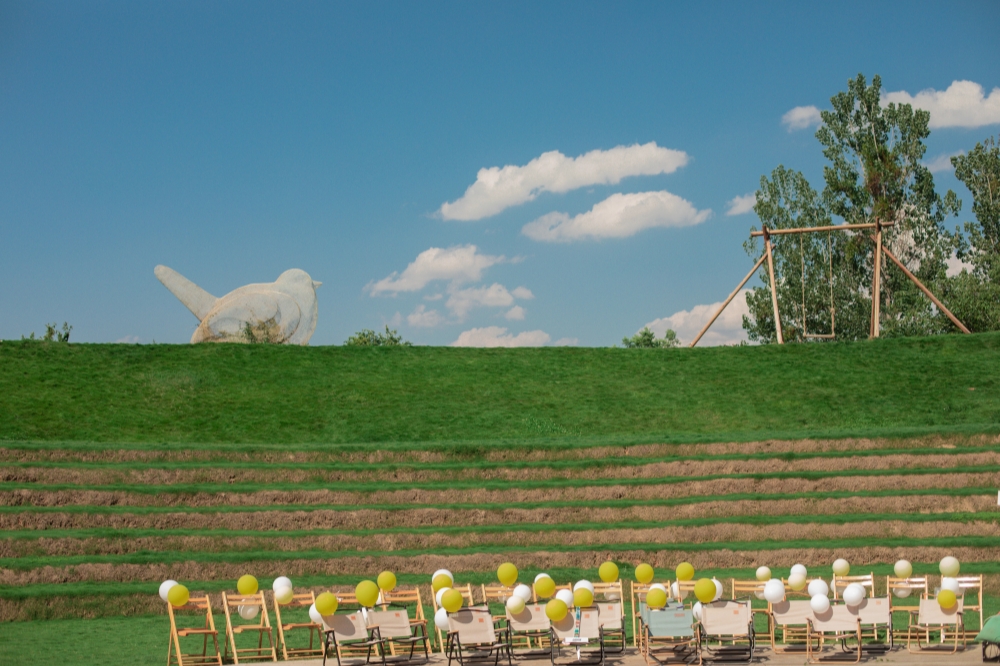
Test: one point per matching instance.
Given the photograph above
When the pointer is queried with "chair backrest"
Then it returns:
(609, 591)
(931, 612)
(390, 623)
(347, 626)
(791, 612)
(534, 593)
(496, 593)
(670, 623)
(838, 617)
(804, 592)
(914, 584)
(971, 584)
(867, 581)
(232, 602)
(578, 623)
(726, 618)
(194, 603)
(405, 597)
(466, 591)
(873, 610)
(532, 618)
(347, 598)
(685, 588)
(612, 614)
(473, 626)
(746, 588)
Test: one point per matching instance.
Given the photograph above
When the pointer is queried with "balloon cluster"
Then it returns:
(441, 582)
(174, 593)
(947, 596)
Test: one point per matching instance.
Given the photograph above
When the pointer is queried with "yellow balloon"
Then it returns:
(247, 584)
(946, 599)
(545, 587)
(608, 572)
(441, 580)
(705, 590)
(387, 581)
(644, 573)
(326, 603)
(684, 571)
(367, 593)
(178, 596)
(507, 574)
(451, 600)
(283, 595)
(583, 598)
(556, 610)
(657, 598)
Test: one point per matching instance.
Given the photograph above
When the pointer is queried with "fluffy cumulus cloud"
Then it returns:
(499, 188)
(962, 104)
(618, 216)
(727, 329)
(801, 117)
(421, 317)
(516, 313)
(497, 336)
(942, 162)
(741, 205)
(457, 264)
(462, 300)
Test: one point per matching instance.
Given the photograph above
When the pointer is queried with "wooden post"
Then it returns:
(731, 297)
(877, 282)
(913, 278)
(774, 286)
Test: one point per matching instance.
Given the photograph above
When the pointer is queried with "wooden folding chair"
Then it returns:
(898, 605)
(874, 616)
(930, 617)
(612, 620)
(727, 622)
(496, 594)
(466, 591)
(637, 592)
(580, 630)
(967, 585)
(407, 597)
(790, 618)
(529, 628)
(838, 623)
(315, 649)
(349, 635)
(840, 583)
(669, 636)
(230, 605)
(474, 639)
(752, 590)
(174, 654)
(394, 627)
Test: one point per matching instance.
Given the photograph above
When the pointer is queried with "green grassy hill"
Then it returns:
(261, 393)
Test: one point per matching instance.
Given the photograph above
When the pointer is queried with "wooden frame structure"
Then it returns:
(231, 603)
(880, 249)
(315, 649)
(193, 659)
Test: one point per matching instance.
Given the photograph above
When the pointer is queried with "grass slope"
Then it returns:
(262, 393)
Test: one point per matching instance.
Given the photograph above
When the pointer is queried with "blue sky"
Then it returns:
(232, 141)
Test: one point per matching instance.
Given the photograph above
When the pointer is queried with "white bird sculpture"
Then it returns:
(283, 311)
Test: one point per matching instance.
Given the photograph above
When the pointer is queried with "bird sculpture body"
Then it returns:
(283, 311)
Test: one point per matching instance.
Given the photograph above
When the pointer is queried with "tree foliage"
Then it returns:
(52, 333)
(369, 338)
(646, 339)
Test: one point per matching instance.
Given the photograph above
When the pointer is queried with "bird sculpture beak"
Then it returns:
(317, 285)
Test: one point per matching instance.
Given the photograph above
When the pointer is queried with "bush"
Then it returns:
(646, 339)
(369, 338)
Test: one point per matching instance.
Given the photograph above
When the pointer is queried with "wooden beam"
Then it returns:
(809, 230)
(728, 300)
(877, 285)
(913, 278)
(774, 286)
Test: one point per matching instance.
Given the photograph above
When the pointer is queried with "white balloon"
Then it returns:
(566, 596)
(696, 610)
(949, 566)
(719, 590)
(446, 573)
(759, 594)
(902, 569)
(315, 616)
(441, 620)
(515, 605)
(248, 612)
(165, 588)
(948, 583)
(440, 593)
(763, 573)
(612, 596)
(902, 592)
(841, 567)
(281, 581)
(798, 569)
(854, 594)
(818, 587)
(283, 594)
(774, 590)
(820, 603)
(797, 581)
(676, 592)
(584, 583)
(523, 592)
(541, 576)
(660, 586)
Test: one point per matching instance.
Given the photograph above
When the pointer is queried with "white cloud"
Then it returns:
(727, 329)
(743, 204)
(942, 162)
(963, 104)
(496, 336)
(566, 342)
(516, 313)
(618, 216)
(462, 300)
(129, 340)
(801, 117)
(433, 297)
(424, 318)
(459, 263)
(523, 293)
(956, 266)
(499, 188)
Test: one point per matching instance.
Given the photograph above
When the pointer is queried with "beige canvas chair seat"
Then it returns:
(580, 634)
(875, 617)
(930, 617)
(230, 605)
(174, 654)
(790, 620)
(729, 623)
(394, 627)
(611, 615)
(348, 634)
(473, 638)
(315, 647)
(529, 632)
(466, 591)
(840, 624)
(407, 598)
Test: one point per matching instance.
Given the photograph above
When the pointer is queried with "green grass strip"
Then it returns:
(838, 519)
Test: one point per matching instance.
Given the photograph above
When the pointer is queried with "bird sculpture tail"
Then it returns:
(194, 298)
